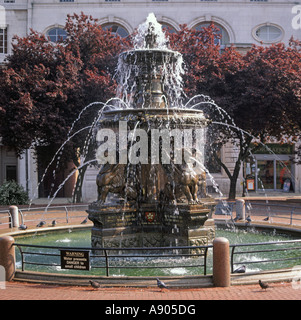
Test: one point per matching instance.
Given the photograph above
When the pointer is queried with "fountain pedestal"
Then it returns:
(117, 226)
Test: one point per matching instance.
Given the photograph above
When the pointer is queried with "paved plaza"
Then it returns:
(29, 291)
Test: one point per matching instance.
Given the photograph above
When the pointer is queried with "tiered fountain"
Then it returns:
(152, 183)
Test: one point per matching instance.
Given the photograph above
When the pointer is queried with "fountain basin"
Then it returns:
(81, 238)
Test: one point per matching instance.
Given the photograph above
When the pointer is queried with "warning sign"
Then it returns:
(75, 260)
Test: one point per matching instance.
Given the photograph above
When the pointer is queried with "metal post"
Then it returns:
(205, 261)
(232, 259)
(22, 257)
(67, 217)
(292, 212)
(107, 262)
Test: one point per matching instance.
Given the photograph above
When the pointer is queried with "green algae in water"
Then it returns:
(82, 238)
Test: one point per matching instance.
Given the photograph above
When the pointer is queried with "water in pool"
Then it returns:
(155, 266)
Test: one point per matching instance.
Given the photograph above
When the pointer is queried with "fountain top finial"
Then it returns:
(151, 37)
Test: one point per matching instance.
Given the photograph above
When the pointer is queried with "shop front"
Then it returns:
(270, 170)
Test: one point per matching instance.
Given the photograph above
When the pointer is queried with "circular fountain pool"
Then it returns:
(150, 265)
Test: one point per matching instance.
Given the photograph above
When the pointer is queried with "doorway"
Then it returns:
(273, 174)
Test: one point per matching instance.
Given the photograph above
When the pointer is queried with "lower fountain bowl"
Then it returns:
(119, 226)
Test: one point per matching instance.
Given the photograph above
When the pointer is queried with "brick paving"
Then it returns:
(28, 291)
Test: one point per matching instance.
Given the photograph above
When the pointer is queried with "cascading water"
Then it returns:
(155, 192)
(150, 67)
(152, 155)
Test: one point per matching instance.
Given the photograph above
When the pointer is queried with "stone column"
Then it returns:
(221, 262)
(7, 256)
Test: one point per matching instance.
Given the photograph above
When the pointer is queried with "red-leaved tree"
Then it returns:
(45, 86)
(259, 92)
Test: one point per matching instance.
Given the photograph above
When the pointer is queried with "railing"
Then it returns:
(5, 218)
(288, 214)
(118, 258)
(63, 214)
(109, 255)
(265, 251)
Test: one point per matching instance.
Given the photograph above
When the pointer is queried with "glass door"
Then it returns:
(265, 174)
(272, 174)
(283, 175)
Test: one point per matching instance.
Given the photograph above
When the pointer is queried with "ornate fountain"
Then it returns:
(152, 183)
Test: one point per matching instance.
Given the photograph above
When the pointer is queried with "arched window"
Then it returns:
(168, 27)
(117, 29)
(222, 36)
(56, 34)
(268, 33)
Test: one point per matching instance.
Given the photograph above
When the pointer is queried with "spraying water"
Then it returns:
(150, 91)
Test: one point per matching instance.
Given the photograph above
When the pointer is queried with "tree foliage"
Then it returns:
(259, 92)
(46, 85)
(11, 193)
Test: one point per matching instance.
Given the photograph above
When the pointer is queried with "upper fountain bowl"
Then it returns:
(150, 56)
(150, 76)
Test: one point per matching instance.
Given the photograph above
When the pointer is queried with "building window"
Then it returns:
(3, 41)
(268, 33)
(167, 27)
(221, 35)
(11, 173)
(116, 29)
(56, 34)
(9, 1)
(270, 167)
